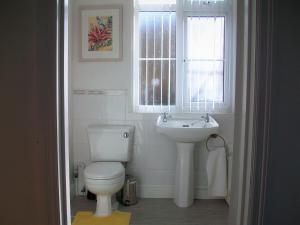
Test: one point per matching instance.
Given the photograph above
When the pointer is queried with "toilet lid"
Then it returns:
(104, 170)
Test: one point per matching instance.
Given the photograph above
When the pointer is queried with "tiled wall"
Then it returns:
(154, 156)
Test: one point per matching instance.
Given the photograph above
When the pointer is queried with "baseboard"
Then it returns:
(167, 191)
(227, 199)
(202, 193)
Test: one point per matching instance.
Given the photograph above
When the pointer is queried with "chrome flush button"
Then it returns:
(125, 135)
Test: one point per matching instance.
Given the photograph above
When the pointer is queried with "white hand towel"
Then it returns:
(217, 172)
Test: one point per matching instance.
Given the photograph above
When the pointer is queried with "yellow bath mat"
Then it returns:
(88, 218)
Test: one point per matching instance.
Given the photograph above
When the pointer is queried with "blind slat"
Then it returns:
(154, 64)
(161, 63)
(157, 2)
(156, 5)
(169, 78)
(147, 52)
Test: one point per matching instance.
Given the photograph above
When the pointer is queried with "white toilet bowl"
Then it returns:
(104, 179)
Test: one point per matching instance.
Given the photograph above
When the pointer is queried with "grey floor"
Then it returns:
(164, 212)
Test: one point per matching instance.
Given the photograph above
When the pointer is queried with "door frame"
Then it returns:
(254, 29)
(264, 64)
(62, 99)
(252, 126)
(244, 112)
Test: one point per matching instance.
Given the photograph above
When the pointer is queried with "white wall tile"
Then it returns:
(200, 157)
(79, 130)
(137, 161)
(88, 106)
(139, 137)
(159, 157)
(114, 107)
(133, 116)
(81, 152)
(200, 179)
(155, 177)
(226, 123)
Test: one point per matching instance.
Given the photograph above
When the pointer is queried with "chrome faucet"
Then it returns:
(165, 118)
(206, 118)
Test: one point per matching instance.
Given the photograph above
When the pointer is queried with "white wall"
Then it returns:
(154, 155)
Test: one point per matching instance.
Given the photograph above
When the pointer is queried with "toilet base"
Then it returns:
(103, 207)
(106, 204)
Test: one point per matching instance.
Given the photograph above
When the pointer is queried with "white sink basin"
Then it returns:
(186, 130)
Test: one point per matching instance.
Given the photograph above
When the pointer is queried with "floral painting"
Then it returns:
(100, 33)
(101, 29)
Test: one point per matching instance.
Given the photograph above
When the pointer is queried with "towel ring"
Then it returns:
(214, 136)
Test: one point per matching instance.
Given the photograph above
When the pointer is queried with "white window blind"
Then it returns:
(204, 63)
(156, 2)
(156, 5)
(199, 81)
(204, 5)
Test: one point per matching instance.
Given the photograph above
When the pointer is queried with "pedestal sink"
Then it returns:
(185, 132)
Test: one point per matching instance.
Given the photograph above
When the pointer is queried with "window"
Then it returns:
(183, 56)
(157, 58)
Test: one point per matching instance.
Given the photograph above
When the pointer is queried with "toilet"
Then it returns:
(110, 147)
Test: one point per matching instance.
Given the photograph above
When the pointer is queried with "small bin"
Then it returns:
(127, 196)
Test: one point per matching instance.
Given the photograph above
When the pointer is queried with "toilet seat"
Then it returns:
(104, 171)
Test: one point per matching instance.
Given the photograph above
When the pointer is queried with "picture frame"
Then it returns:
(101, 36)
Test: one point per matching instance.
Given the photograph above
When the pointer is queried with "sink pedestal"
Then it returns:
(185, 132)
(184, 177)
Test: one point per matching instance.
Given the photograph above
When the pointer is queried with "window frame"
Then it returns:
(180, 105)
(220, 107)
